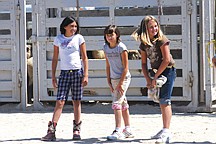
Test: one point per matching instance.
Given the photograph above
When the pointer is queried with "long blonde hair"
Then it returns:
(141, 33)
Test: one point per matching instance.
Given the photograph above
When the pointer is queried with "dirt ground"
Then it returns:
(27, 127)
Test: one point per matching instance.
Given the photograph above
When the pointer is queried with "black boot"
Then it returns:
(50, 136)
(76, 130)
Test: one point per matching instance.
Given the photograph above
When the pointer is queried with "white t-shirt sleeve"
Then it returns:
(81, 39)
(56, 41)
(122, 47)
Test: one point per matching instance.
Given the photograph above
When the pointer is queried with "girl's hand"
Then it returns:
(149, 83)
(111, 88)
(54, 83)
(119, 89)
(153, 83)
(214, 60)
(85, 81)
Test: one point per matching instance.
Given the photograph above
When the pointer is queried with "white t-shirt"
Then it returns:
(69, 51)
(115, 61)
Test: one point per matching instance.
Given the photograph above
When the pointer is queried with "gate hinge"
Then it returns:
(18, 11)
(19, 79)
(189, 7)
(191, 78)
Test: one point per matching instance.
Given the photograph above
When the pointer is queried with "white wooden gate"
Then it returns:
(178, 20)
(12, 51)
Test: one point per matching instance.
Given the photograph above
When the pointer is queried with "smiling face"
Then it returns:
(111, 38)
(70, 29)
(152, 27)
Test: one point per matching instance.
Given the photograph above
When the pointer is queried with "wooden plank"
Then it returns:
(136, 20)
(5, 65)
(6, 86)
(143, 11)
(108, 98)
(84, 22)
(150, 3)
(93, 3)
(94, 21)
(102, 82)
(5, 5)
(6, 24)
(97, 42)
(87, 13)
(5, 42)
(99, 64)
(60, 4)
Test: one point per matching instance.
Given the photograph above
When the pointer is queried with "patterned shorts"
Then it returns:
(70, 80)
(120, 102)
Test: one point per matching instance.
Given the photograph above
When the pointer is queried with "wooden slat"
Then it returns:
(97, 42)
(143, 11)
(5, 5)
(136, 82)
(150, 3)
(6, 24)
(108, 98)
(136, 20)
(5, 65)
(99, 64)
(6, 86)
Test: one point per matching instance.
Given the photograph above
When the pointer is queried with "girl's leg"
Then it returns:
(166, 111)
(58, 110)
(50, 136)
(77, 122)
(77, 110)
(125, 115)
(127, 131)
(118, 117)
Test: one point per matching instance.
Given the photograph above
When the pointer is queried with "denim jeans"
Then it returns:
(166, 89)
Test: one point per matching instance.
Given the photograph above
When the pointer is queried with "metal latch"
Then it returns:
(19, 79)
(191, 78)
(18, 11)
(189, 7)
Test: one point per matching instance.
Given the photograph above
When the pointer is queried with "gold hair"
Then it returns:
(141, 33)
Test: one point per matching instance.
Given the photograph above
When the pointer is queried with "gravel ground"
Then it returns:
(27, 127)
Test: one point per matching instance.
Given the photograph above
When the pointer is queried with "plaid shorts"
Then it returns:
(70, 79)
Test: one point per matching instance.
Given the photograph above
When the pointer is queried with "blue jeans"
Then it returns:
(166, 89)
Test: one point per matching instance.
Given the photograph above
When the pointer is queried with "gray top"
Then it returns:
(115, 61)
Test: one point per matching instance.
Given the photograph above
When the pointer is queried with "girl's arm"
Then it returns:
(166, 59)
(54, 65)
(124, 57)
(108, 74)
(145, 68)
(85, 63)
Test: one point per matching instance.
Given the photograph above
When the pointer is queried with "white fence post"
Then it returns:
(207, 31)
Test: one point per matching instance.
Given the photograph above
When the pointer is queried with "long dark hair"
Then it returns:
(109, 30)
(68, 20)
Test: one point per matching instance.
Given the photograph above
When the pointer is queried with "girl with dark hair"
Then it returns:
(118, 78)
(68, 46)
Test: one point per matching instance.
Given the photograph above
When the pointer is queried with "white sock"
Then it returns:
(127, 128)
(166, 130)
(118, 129)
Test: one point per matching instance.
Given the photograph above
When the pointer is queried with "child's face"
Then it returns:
(111, 38)
(71, 29)
(152, 28)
